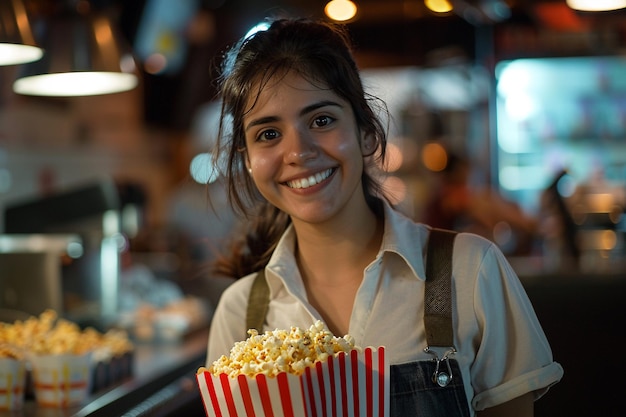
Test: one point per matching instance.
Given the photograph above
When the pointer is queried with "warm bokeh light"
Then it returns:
(604, 240)
(434, 157)
(393, 158)
(438, 6)
(596, 5)
(340, 10)
(599, 202)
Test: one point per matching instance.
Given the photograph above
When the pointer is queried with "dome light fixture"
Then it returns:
(596, 5)
(84, 56)
(17, 43)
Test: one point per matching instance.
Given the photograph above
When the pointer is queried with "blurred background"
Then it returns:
(522, 93)
(508, 119)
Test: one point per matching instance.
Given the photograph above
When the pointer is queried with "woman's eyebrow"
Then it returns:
(306, 110)
(261, 121)
(324, 103)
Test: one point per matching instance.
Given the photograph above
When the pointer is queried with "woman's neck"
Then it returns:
(328, 252)
(332, 259)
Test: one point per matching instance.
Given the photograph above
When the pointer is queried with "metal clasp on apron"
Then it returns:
(442, 378)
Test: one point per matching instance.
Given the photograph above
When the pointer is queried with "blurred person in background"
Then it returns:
(457, 204)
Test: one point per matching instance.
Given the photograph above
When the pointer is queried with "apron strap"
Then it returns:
(258, 302)
(438, 288)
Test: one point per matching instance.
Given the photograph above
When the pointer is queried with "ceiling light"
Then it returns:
(340, 10)
(17, 44)
(596, 5)
(84, 56)
(438, 6)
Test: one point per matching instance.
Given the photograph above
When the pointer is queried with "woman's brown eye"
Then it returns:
(322, 121)
(269, 135)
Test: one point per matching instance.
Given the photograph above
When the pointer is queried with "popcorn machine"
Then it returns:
(89, 281)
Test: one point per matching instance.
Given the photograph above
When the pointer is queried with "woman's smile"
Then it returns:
(311, 180)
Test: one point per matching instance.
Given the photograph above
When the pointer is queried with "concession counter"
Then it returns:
(581, 314)
(163, 384)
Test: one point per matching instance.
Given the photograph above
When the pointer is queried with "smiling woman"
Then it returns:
(302, 141)
(302, 148)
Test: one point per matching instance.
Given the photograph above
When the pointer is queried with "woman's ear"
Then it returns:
(368, 144)
(246, 160)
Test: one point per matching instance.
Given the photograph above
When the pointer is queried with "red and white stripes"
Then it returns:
(345, 385)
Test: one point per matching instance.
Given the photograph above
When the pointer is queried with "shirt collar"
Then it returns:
(405, 238)
(402, 237)
(283, 264)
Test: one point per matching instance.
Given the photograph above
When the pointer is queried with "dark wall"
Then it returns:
(584, 320)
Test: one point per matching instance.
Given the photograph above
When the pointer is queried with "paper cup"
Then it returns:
(12, 381)
(346, 385)
(61, 380)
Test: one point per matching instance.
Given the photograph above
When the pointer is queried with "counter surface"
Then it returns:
(162, 373)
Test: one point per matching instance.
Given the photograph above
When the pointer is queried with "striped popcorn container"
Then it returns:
(354, 384)
(61, 380)
(12, 381)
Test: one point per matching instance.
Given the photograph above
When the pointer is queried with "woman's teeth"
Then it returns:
(310, 181)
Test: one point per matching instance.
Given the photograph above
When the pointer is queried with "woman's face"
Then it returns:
(303, 150)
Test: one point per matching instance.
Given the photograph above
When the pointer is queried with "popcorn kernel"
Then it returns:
(279, 351)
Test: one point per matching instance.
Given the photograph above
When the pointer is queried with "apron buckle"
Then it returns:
(442, 378)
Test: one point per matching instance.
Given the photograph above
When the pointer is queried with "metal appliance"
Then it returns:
(89, 284)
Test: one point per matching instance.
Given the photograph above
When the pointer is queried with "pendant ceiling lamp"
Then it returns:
(84, 55)
(17, 43)
(596, 5)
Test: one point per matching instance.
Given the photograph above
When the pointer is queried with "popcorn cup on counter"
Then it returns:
(12, 383)
(61, 380)
(346, 384)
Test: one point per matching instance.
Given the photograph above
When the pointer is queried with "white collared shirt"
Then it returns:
(502, 350)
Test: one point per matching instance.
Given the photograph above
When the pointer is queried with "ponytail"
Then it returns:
(252, 251)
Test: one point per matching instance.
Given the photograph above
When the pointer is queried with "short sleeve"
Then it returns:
(513, 356)
(228, 324)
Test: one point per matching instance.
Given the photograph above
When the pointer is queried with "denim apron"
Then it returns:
(423, 388)
(414, 393)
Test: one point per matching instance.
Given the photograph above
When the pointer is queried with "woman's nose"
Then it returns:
(300, 147)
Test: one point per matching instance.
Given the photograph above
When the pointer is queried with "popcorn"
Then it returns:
(10, 352)
(297, 373)
(60, 356)
(279, 351)
(50, 335)
(345, 383)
